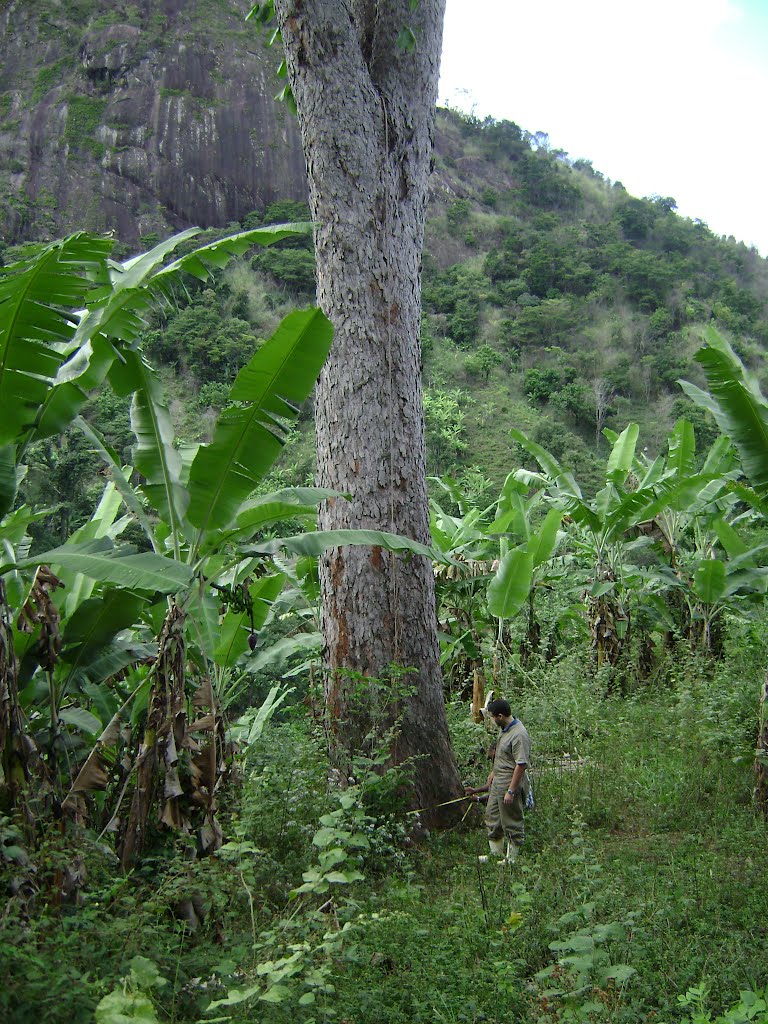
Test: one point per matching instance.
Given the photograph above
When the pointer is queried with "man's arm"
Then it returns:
(515, 783)
(471, 790)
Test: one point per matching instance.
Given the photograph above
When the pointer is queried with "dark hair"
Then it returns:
(499, 707)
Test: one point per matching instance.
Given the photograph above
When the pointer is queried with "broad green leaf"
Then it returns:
(549, 464)
(620, 973)
(720, 457)
(508, 590)
(39, 301)
(622, 454)
(125, 1007)
(100, 562)
(256, 721)
(682, 448)
(731, 542)
(234, 997)
(236, 626)
(98, 619)
(275, 994)
(709, 581)
(119, 475)
(81, 720)
(116, 313)
(601, 587)
(258, 513)
(202, 609)
(145, 973)
(543, 544)
(92, 626)
(79, 587)
(582, 514)
(652, 474)
(634, 508)
(14, 527)
(8, 479)
(736, 402)
(203, 261)
(117, 656)
(276, 656)
(248, 436)
(154, 455)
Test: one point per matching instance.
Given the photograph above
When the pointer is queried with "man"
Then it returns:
(508, 782)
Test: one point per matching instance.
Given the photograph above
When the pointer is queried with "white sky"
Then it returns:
(666, 96)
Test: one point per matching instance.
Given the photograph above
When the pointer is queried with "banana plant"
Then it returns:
(461, 583)
(199, 591)
(498, 560)
(740, 409)
(698, 507)
(525, 553)
(600, 531)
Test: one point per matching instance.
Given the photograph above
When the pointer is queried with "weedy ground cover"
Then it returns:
(640, 894)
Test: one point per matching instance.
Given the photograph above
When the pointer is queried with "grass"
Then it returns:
(644, 860)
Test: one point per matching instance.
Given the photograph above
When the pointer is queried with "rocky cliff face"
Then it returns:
(138, 118)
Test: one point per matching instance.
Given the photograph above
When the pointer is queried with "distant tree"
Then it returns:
(482, 362)
(602, 396)
(665, 203)
(540, 384)
(637, 217)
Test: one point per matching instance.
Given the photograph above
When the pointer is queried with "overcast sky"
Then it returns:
(666, 96)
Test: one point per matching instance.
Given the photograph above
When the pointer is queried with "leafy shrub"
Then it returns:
(482, 362)
(293, 268)
(540, 384)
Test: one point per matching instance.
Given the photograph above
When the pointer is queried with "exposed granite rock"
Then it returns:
(138, 119)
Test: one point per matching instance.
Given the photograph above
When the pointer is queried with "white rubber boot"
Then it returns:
(497, 850)
(512, 851)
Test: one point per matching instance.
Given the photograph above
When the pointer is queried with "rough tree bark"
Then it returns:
(366, 110)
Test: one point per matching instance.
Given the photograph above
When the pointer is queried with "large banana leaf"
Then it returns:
(115, 314)
(622, 454)
(119, 475)
(543, 544)
(682, 448)
(78, 587)
(99, 561)
(250, 434)
(508, 590)
(267, 509)
(8, 478)
(738, 405)
(235, 626)
(154, 455)
(39, 300)
(730, 541)
(552, 468)
(709, 581)
(93, 626)
(276, 656)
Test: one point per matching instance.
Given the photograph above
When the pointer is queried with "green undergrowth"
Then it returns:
(639, 895)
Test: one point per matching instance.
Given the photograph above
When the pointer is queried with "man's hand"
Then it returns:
(509, 797)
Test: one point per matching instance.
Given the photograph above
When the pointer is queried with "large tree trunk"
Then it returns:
(366, 109)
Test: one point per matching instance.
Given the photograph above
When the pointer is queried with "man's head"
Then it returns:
(499, 710)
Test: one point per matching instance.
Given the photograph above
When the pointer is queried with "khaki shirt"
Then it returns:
(513, 747)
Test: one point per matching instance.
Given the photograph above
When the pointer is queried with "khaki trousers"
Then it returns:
(505, 820)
